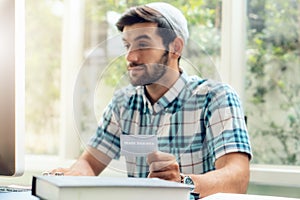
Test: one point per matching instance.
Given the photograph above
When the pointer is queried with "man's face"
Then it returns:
(147, 58)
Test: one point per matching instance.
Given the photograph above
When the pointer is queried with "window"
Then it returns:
(272, 95)
(272, 88)
(43, 59)
(72, 72)
(260, 59)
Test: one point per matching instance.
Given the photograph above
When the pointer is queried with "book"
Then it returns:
(112, 188)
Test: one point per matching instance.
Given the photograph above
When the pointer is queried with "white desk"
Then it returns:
(17, 196)
(219, 196)
(224, 196)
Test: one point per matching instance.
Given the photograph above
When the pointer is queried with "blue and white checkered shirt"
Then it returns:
(197, 121)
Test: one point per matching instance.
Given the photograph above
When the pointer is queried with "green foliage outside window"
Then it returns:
(43, 55)
(273, 86)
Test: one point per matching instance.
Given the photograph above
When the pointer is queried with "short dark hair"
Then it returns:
(142, 14)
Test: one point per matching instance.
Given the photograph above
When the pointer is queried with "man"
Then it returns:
(202, 136)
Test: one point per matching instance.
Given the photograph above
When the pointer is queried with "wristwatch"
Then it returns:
(187, 180)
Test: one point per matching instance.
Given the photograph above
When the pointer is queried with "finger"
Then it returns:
(166, 175)
(66, 172)
(159, 156)
(59, 171)
(160, 166)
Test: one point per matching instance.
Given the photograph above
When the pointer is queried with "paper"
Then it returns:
(138, 145)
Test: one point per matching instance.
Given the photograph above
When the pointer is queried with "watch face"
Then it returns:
(187, 180)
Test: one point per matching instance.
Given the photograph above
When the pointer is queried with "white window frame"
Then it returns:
(72, 51)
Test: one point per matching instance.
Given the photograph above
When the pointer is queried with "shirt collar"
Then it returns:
(170, 95)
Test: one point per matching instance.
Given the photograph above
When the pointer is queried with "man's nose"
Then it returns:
(132, 55)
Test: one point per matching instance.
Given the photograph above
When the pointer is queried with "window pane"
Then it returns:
(43, 52)
(273, 86)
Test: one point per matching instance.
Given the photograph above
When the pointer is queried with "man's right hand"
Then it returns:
(80, 168)
(91, 163)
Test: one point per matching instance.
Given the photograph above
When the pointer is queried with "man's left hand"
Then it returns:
(163, 165)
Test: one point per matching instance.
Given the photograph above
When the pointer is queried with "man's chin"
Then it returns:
(139, 82)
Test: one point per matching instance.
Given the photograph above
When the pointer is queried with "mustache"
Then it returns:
(134, 64)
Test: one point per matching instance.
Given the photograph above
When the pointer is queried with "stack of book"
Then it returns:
(110, 188)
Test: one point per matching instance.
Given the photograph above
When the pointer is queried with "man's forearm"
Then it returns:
(231, 176)
(90, 163)
(93, 161)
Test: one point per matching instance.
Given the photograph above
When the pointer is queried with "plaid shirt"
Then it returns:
(197, 121)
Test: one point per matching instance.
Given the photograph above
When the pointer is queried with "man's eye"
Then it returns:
(126, 46)
(143, 45)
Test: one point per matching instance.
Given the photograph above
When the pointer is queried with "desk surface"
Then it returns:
(226, 196)
(17, 196)
(219, 196)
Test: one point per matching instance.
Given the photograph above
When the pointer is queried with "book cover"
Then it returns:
(93, 187)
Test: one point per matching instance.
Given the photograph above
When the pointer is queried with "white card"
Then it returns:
(138, 145)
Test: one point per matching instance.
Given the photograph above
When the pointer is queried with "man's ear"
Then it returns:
(177, 46)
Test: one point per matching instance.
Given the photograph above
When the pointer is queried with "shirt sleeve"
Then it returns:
(107, 137)
(226, 130)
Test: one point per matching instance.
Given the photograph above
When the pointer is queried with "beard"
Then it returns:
(147, 74)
